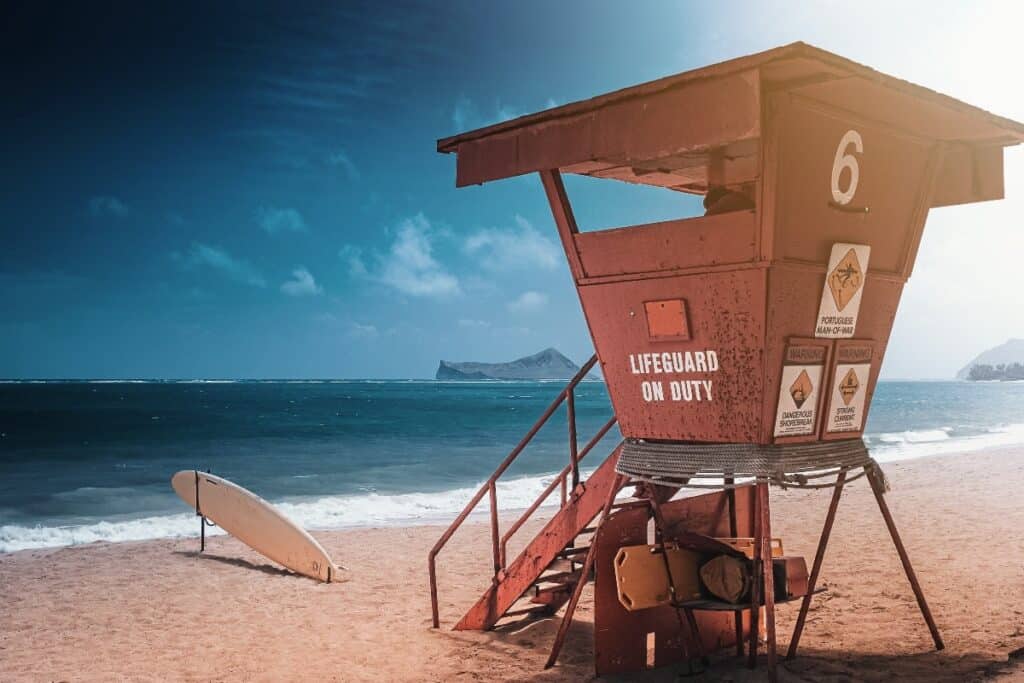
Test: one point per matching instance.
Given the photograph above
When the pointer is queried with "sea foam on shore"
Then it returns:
(440, 507)
(325, 512)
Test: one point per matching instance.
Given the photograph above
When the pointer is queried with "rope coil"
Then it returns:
(785, 465)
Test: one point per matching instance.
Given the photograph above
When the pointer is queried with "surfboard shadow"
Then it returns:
(239, 562)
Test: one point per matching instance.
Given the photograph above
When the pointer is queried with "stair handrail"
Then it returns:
(490, 486)
(559, 479)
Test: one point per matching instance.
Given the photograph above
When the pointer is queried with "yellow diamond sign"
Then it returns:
(801, 388)
(846, 279)
(849, 386)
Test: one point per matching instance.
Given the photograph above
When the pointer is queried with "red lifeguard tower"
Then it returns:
(741, 348)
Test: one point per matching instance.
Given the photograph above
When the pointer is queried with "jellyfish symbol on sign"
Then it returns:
(846, 279)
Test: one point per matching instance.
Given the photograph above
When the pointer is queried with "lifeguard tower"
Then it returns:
(740, 349)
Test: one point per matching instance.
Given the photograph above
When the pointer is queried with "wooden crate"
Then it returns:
(746, 546)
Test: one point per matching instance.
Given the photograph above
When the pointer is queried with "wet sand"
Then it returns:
(158, 611)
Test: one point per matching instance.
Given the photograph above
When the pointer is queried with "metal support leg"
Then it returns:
(588, 565)
(879, 490)
(769, 576)
(690, 620)
(819, 556)
(730, 495)
(755, 587)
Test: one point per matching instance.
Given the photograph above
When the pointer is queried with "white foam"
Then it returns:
(916, 436)
(14, 537)
(918, 444)
(378, 509)
(328, 512)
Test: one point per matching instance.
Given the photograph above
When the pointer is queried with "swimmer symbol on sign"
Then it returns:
(849, 386)
(801, 389)
(845, 279)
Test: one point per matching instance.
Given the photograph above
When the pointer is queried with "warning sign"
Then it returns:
(802, 370)
(801, 388)
(844, 285)
(849, 388)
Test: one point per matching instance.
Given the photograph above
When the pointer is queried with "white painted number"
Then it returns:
(844, 160)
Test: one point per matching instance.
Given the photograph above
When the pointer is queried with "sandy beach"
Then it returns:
(159, 611)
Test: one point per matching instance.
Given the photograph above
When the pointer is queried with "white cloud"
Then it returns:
(353, 256)
(517, 248)
(218, 259)
(107, 206)
(464, 114)
(507, 113)
(469, 324)
(301, 284)
(528, 302)
(340, 158)
(360, 331)
(409, 265)
(281, 220)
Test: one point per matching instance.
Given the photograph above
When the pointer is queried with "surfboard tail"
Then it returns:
(337, 573)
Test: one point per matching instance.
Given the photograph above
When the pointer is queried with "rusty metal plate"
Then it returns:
(666, 320)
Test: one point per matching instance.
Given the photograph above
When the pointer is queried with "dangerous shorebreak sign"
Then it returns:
(799, 389)
(849, 387)
(844, 286)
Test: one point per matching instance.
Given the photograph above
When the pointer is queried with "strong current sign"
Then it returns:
(849, 387)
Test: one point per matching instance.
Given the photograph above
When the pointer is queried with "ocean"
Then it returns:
(91, 461)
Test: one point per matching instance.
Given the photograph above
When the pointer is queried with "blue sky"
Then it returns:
(249, 190)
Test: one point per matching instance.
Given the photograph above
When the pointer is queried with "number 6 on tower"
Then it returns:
(844, 160)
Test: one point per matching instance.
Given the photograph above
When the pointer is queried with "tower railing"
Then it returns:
(569, 474)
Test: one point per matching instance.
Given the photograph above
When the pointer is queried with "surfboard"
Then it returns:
(255, 522)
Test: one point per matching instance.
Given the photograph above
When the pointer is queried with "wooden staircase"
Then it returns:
(542, 577)
(535, 574)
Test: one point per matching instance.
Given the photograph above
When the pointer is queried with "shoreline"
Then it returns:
(133, 609)
(947, 449)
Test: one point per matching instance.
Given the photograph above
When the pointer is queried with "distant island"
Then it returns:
(1000, 363)
(546, 364)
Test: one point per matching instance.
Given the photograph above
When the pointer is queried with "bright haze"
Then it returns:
(252, 191)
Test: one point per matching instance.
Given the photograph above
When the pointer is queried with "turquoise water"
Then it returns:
(92, 461)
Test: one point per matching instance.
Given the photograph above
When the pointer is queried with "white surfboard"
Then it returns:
(255, 522)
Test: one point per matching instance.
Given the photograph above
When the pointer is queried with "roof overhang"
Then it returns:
(679, 131)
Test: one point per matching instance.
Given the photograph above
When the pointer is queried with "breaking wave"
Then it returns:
(437, 507)
(327, 512)
(908, 445)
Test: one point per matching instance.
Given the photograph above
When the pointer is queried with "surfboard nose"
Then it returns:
(184, 484)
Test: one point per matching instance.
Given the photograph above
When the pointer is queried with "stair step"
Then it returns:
(572, 552)
(553, 594)
(630, 503)
(529, 611)
(560, 565)
(543, 553)
(589, 530)
(559, 577)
